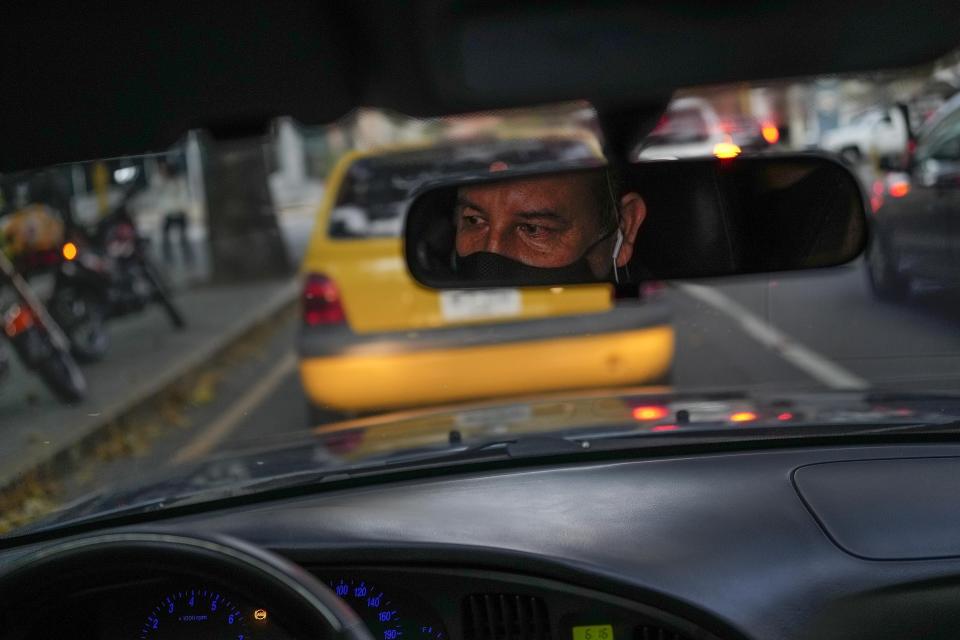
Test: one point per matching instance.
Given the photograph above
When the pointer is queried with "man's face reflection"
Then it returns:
(549, 222)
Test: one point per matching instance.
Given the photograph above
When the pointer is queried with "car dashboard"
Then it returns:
(401, 603)
(820, 542)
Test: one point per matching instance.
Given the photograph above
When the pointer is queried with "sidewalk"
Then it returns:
(295, 221)
(146, 356)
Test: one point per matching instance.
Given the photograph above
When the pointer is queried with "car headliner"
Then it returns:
(81, 80)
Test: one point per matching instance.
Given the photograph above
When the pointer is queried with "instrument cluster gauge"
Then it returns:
(388, 614)
(196, 613)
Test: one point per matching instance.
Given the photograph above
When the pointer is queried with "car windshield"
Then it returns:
(201, 320)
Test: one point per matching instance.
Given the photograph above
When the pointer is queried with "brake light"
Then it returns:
(321, 301)
(743, 416)
(899, 189)
(652, 412)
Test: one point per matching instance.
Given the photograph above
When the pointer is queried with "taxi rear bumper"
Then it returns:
(630, 344)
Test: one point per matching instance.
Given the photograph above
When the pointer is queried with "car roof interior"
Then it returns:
(121, 68)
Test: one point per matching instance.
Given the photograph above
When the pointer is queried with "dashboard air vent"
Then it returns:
(650, 632)
(498, 616)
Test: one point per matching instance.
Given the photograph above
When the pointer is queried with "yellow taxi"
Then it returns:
(372, 338)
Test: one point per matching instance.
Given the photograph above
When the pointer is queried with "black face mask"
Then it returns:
(497, 270)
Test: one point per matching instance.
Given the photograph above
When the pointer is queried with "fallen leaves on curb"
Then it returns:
(32, 498)
(131, 435)
(204, 390)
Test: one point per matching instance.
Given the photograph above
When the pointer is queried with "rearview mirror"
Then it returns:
(650, 220)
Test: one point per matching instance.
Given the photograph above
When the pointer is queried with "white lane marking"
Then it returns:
(224, 425)
(812, 363)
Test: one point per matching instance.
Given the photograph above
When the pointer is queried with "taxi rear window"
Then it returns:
(372, 199)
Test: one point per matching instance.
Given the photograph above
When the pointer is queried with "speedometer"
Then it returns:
(388, 615)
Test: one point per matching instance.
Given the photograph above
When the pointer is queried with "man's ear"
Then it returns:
(633, 211)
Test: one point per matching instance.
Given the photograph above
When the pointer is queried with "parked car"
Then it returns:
(372, 337)
(876, 132)
(916, 234)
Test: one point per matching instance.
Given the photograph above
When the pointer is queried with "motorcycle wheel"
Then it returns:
(162, 295)
(83, 318)
(55, 366)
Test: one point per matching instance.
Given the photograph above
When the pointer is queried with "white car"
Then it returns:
(876, 133)
(690, 128)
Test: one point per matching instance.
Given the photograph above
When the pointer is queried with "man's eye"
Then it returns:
(534, 230)
(470, 220)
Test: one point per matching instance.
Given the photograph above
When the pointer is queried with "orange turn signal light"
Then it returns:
(69, 251)
(770, 133)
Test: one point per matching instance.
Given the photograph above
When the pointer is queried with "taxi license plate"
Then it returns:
(480, 304)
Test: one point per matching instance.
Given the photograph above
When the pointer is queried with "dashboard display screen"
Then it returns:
(593, 632)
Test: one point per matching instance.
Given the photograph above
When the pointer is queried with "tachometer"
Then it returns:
(195, 613)
(387, 616)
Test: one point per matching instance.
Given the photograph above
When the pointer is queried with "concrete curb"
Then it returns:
(71, 447)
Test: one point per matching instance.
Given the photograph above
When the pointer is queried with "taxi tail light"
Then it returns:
(18, 319)
(321, 301)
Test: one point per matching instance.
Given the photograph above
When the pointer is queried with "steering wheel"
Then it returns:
(57, 572)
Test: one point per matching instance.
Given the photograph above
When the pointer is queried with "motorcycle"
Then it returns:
(36, 337)
(106, 273)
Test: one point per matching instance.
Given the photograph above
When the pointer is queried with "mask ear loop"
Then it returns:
(619, 242)
(616, 252)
